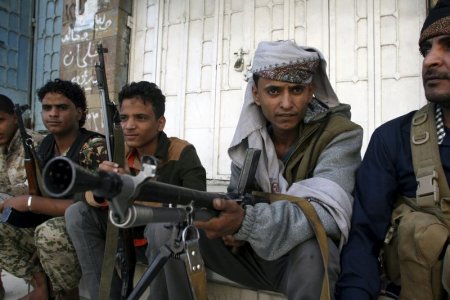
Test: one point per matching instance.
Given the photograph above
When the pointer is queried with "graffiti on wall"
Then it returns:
(83, 19)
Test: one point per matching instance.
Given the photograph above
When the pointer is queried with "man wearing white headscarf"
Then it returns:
(310, 149)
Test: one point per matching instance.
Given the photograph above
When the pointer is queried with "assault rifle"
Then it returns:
(116, 153)
(32, 167)
(61, 176)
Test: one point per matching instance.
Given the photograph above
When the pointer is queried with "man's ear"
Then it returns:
(161, 123)
(255, 95)
(79, 112)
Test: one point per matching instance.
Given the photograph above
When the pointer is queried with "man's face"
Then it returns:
(140, 125)
(283, 104)
(59, 114)
(436, 69)
(8, 127)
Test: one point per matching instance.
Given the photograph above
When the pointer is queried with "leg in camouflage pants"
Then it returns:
(51, 243)
(16, 251)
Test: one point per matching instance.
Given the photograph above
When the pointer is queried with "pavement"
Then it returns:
(15, 287)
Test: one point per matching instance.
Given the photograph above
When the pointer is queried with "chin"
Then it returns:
(439, 98)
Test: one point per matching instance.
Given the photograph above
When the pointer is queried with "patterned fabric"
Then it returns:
(13, 178)
(437, 22)
(300, 72)
(57, 254)
(50, 241)
(439, 124)
(92, 153)
(17, 251)
(21, 248)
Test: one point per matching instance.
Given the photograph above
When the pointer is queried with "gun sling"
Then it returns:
(112, 232)
(317, 227)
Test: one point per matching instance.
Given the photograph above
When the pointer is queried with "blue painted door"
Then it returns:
(16, 38)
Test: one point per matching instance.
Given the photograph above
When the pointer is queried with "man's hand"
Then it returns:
(110, 166)
(227, 223)
(19, 203)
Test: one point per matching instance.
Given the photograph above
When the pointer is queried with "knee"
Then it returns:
(74, 216)
(308, 256)
(49, 233)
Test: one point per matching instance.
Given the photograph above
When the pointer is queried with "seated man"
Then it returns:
(310, 149)
(13, 177)
(46, 251)
(142, 107)
(410, 221)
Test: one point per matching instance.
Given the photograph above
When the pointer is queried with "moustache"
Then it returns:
(432, 74)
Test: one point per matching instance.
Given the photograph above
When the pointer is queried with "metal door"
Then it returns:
(198, 51)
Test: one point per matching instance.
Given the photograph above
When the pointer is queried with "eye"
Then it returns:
(63, 107)
(273, 91)
(46, 107)
(425, 49)
(141, 117)
(299, 89)
(123, 118)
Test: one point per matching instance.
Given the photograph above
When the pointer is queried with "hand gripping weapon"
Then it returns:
(62, 176)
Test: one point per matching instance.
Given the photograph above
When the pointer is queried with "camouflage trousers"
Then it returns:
(46, 248)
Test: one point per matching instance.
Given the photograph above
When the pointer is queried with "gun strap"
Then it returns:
(197, 280)
(317, 227)
(112, 233)
(109, 261)
(431, 180)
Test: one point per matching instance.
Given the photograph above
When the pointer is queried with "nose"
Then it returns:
(129, 124)
(54, 111)
(434, 57)
(286, 100)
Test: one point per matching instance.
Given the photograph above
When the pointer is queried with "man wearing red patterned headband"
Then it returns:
(402, 191)
(310, 151)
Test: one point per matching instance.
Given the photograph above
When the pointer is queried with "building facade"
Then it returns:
(199, 52)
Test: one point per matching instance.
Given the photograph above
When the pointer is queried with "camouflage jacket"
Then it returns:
(92, 153)
(13, 178)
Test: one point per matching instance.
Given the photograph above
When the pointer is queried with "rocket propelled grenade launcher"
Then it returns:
(64, 177)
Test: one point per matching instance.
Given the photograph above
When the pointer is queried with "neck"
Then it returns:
(283, 141)
(147, 149)
(63, 142)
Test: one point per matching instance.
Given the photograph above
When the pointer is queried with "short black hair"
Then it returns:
(6, 105)
(147, 92)
(69, 89)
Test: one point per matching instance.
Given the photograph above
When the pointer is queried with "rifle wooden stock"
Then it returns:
(30, 169)
(29, 155)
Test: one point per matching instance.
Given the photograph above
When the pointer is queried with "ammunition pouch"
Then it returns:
(412, 254)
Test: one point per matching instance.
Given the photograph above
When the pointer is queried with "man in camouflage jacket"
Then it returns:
(36, 254)
(13, 179)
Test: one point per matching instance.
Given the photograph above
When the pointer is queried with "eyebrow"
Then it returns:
(56, 105)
